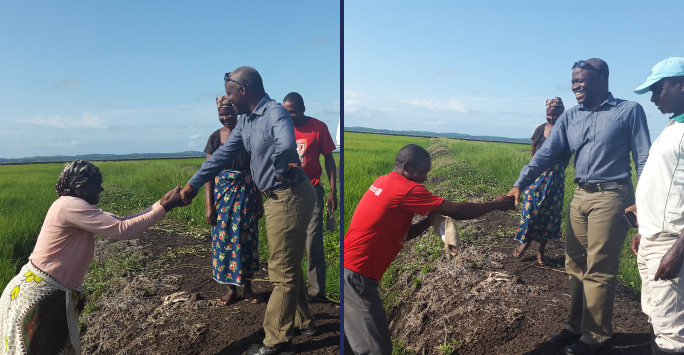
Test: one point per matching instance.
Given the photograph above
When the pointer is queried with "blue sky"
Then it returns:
(487, 67)
(81, 77)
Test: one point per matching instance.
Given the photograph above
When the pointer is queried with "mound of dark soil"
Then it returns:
(171, 307)
(484, 301)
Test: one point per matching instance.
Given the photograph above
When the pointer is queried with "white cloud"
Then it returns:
(87, 120)
(451, 105)
(351, 106)
(195, 136)
(352, 93)
(67, 84)
(66, 144)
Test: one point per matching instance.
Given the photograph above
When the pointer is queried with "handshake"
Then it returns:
(505, 202)
(178, 197)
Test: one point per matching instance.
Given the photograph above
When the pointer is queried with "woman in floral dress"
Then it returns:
(542, 206)
(233, 208)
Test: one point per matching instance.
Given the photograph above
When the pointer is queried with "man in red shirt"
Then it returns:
(380, 226)
(313, 139)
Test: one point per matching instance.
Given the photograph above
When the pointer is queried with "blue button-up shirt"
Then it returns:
(268, 135)
(600, 139)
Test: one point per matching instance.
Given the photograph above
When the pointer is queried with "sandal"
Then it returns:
(253, 300)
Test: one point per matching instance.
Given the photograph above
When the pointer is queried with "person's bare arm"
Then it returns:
(210, 213)
(420, 227)
(331, 170)
(469, 210)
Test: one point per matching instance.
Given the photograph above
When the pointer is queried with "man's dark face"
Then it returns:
(587, 86)
(296, 112)
(667, 95)
(418, 172)
(236, 96)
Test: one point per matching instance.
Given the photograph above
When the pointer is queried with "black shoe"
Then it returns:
(582, 348)
(311, 332)
(565, 337)
(282, 349)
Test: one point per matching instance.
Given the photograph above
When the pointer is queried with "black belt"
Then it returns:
(288, 184)
(602, 186)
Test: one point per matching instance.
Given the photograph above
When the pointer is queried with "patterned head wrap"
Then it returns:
(556, 104)
(222, 102)
(74, 175)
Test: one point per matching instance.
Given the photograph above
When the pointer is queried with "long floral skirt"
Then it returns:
(542, 207)
(38, 315)
(235, 237)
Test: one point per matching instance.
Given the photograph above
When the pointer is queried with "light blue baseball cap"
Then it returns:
(673, 66)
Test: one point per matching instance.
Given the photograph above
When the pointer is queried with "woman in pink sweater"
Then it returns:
(38, 308)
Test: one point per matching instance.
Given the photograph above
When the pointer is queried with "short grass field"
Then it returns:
(368, 156)
(27, 191)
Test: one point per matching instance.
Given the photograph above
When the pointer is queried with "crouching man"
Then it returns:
(380, 226)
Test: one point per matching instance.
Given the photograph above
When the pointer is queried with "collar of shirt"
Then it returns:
(260, 108)
(679, 118)
(610, 101)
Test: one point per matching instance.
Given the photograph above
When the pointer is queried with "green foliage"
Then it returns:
(104, 275)
(399, 348)
(448, 348)
(28, 191)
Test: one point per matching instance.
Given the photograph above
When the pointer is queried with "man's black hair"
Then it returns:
(411, 153)
(600, 65)
(296, 99)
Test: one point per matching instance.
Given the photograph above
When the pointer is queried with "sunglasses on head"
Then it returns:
(584, 65)
(226, 78)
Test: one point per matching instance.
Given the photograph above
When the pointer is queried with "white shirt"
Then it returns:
(660, 192)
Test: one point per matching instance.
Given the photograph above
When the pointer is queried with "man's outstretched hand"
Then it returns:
(506, 202)
(188, 193)
(515, 192)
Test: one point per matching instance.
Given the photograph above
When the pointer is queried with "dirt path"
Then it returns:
(133, 318)
(463, 307)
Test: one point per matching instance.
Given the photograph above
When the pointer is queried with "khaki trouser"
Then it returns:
(595, 235)
(662, 300)
(288, 213)
(315, 262)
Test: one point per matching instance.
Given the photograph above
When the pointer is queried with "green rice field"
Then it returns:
(27, 191)
(368, 156)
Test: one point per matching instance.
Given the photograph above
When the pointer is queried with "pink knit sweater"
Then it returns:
(66, 243)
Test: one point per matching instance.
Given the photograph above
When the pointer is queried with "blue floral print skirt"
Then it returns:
(542, 206)
(235, 237)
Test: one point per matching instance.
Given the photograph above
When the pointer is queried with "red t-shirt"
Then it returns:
(313, 139)
(380, 222)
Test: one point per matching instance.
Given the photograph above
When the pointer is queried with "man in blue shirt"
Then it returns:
(601, 132)
(267, 133)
